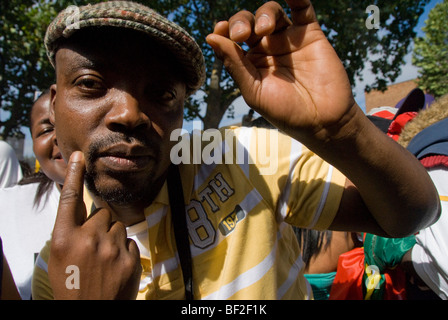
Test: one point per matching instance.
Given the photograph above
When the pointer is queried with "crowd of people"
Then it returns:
(350, 213)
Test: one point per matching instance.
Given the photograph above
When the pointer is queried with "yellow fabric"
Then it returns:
(241, 246)
(374, 278)
(36, 166)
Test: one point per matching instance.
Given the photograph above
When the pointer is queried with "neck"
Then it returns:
(127, 214)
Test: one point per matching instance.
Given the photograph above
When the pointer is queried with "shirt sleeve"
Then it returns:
(311, 197)
(302, 189)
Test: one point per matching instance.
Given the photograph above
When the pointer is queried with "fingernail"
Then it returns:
(263, 22)
(237, 29)
(76, 156)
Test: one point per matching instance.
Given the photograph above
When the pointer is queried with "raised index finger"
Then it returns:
(72, 211)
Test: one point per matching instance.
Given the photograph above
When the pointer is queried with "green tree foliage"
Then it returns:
(24, 67)
(385, 49)
(21, 63)
(431, 52)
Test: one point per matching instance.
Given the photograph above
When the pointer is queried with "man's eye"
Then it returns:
(166, 95)
(90, 84)
(161, 92)
(45, 130)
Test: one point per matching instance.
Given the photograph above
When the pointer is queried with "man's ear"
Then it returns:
(52, 102)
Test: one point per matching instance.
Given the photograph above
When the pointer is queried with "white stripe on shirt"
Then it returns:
(295, 154)
(323, 198)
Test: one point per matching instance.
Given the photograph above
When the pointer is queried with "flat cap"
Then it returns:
(130, 15)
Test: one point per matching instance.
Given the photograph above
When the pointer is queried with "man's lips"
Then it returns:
(125, 158)
(121, 163)
(57, 156)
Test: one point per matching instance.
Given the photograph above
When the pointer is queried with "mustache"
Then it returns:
(104, 142)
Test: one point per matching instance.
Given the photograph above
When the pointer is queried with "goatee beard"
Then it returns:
(125, 193)
(126, 190)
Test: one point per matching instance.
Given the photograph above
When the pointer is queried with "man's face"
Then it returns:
(117, 99)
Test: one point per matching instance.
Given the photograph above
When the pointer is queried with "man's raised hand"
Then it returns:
(108, 262)
(290, 74)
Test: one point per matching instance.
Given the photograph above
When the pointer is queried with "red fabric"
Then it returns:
(347, 284)
(434, 161)
(395, 284)
(386, 114)
(398, 124)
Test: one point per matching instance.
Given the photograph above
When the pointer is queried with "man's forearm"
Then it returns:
(394, 186)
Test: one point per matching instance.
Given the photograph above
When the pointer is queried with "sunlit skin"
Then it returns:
(45, 146)
(119, 110)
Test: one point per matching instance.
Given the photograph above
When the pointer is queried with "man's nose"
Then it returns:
(127, 113)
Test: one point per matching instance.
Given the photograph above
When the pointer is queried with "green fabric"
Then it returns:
(321, 284)
(386, 252)
(381, 254)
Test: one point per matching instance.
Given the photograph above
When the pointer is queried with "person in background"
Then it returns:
(392, 120)
(422, 256)
(427, 138)
(49, 162)
(28, 210)
(378, 270)
(321, 249)
(10, 170)
(320, 252)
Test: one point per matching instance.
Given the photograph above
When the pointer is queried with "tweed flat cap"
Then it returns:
(130, 15)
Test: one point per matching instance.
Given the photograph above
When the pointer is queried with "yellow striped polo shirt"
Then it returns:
(239, 212)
